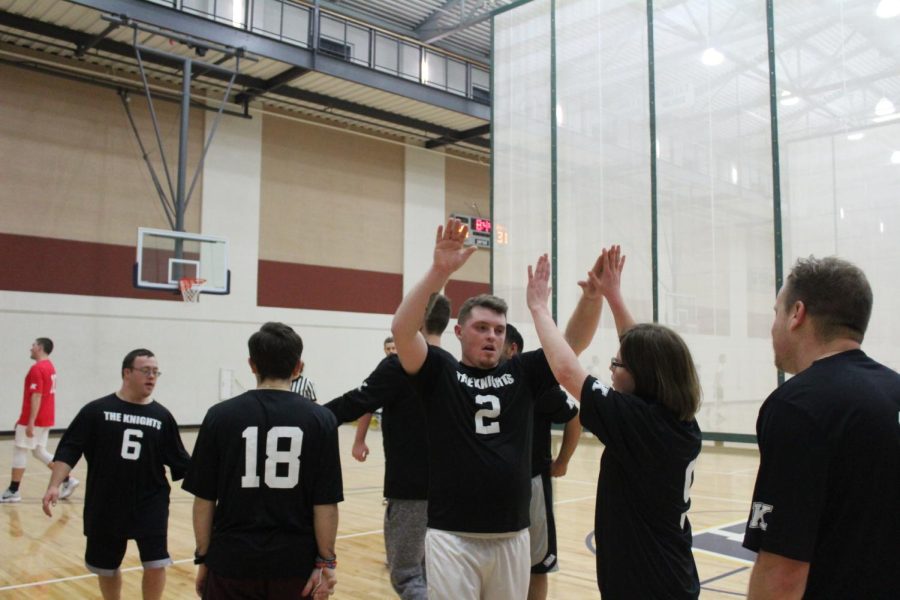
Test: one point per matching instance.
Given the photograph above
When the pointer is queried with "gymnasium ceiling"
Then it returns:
(78, 40)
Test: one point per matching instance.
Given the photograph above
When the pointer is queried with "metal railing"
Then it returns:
(294, 23)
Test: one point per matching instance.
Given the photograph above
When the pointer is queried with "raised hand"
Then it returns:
(609, 279)
(538, 290)
(591, 286)
(450, 252)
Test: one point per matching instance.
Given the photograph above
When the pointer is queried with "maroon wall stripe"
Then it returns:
(460, 291)
(294, 285)
(57, 266)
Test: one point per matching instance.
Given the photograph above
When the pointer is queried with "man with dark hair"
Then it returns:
(479, 415)
(37, 417)
(127, 439)
(824, 518)
(405, 454)
(266, 476)
(542, 531)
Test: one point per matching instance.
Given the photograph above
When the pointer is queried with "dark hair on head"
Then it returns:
(513, 337)
(835, 293)
(437, 314)
(46, 344)
(388, 340)
(128, 361)
(275, 350)
(662, 367)
(498, 305)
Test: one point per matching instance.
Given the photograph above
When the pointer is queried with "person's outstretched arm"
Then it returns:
(586, 317)
(450, 254)
(610, 281)
(562, 359)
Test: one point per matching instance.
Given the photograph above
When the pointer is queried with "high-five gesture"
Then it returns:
(591, 286)
(610, 275)
(538, 290)
(450, 251)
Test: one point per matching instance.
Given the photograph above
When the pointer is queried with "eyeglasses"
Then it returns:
(148, 372)
(614, 363)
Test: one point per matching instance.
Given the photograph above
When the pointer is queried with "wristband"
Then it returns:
(326, 563)
(199, 559)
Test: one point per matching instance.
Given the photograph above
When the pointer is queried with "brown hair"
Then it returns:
(498, 305)
(835, 293)
(437, 314)
(662, 367)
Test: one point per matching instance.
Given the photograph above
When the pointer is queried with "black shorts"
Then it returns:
(544, 525)
(225, 588)
(104, 554)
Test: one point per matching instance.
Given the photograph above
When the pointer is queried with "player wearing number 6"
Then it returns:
(646, 422)
(127, 439)
(266, 476)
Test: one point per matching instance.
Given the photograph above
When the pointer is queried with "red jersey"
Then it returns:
(41, 379)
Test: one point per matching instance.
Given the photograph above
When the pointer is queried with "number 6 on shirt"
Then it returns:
(274, 457)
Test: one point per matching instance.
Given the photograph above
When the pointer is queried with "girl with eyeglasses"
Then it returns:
(645, 420)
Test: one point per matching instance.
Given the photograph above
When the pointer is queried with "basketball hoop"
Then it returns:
(190, 288)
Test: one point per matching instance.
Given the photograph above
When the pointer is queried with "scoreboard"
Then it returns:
(480, 230)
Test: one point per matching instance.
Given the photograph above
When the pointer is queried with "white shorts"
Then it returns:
(41, 437)
(538, 514)
(462, 567)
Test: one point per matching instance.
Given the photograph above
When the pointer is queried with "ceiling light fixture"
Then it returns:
(895, 157)
(884, 107)
(888, 9)
(855, 136)
(712, 57)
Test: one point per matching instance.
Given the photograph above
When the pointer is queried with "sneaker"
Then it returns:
(10, 496)
(67, 487)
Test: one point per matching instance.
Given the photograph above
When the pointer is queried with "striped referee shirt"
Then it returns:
(303, 386)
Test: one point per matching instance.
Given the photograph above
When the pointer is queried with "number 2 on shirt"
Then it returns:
(274, 457)
(481, 425)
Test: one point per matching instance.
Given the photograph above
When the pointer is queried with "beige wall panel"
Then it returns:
(468, 182)
(330, 198)
(71, 166)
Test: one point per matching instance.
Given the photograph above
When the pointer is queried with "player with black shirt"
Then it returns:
(646, 422)
(542, 531)
(405, 455)
(825, 517)
(127, 439)
(479, 415)
(266, 476)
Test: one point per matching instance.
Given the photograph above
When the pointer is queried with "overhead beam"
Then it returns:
(207, 29)
(270, 85)
(462, 136)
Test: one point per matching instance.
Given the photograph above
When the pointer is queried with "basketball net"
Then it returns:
(190, 288)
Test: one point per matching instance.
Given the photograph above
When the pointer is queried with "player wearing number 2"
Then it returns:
(479, 414)
(266, 476)
(646, 422)
(127, 439)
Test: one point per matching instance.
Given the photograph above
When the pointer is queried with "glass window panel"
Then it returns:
(358, 40)
(267, 16)
(410, 61)
(456, 76)
(332, 29)
(386, 53)
(435, 69)
(296, 24)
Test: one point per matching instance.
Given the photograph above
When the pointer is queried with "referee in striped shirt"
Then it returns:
(303, 386)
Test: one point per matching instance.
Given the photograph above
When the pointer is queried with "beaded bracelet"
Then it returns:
(326, 563)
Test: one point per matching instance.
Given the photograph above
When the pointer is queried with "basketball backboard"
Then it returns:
(164, 257)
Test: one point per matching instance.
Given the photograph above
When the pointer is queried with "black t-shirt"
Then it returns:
(127, 447)
(562, 410)
(479, 435)
(263, 523)
(643, 495)
(828, 487)
(402, 424)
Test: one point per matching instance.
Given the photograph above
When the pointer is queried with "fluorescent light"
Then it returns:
(712, 57)
(842, 212)
(884, 107)
(790, 100)
(734, 175)
(888, 9)
(559, 114)
(881, 226)
(895, 157)
(856, 135)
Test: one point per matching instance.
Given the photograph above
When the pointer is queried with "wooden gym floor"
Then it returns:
(43, 558)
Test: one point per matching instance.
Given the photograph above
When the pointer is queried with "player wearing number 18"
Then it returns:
(266, 476)
(127, 439)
